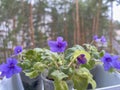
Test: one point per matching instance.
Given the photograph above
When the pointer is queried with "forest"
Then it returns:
(30, 23)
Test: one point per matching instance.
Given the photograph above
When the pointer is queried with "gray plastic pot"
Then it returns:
(13, 83)
(106, 80)
(48, 84)
(16, 82)
(31, 84)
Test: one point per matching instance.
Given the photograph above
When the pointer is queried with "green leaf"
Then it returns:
(38, 49)
(60, 85)
(30, 52)
(95, 55)
(40, 67)
(32, 74)
(77, 53)
(67, 71)
(69, 52)
(81, 78)
(91, 47)
(92, 82)
(80, 83)
(89, 65)
(102, 53)
(58, 75)
(26, 64)
(111, 70)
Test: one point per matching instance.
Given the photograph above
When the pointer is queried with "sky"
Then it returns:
(116, 12)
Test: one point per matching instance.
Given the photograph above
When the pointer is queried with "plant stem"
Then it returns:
(71, 63)
(55, 62)
(92, 42)
(56, 65)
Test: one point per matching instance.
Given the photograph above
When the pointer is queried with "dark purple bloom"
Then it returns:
(81, 59)
(95, 38)
(103, 39)
(18, 49)
(57, 46)
(10, 68)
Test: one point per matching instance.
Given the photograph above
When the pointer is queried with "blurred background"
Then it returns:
(30, 23)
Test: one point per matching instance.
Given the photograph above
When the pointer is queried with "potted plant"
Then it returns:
(61, 68)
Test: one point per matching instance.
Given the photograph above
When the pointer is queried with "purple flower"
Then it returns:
(57, 46)
(110, 61)
(95, 38)
(103, 39)
(17, 49)
(2, 72)
(81, 59)
(107, 60)
(10, 68)
(116, 62)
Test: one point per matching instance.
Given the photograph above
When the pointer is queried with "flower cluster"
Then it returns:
(62, 63)
(57, 46)
(10, 68)
(102, 39)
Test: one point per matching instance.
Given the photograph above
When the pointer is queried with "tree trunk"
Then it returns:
(65, 30)
(14, 23)
(75, 31)
(82, 31)
(77, 23)
(98, 16)
(31, 27)
(93, 25)
(65, 24)
(23, 38)
(22, 43)
(111, 27)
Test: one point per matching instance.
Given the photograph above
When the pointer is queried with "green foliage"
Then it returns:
(70, 51)
(32, 74)
(58, 77)
(90, 65)
(37, 60)
(102, 53)
(26, 64)
(77, 53)
(60, 85)
(38, 66)
(81, 78)
(62, 67)
(95, 54)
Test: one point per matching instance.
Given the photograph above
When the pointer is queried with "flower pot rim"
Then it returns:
(108, 87)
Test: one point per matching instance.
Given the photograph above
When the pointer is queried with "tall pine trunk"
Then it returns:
(65, 26)
(98, 16)
(75, 31)
(31, 27)
(111, 27)
(83, 34)
(93, 25)
(14, 23)
(77, 23)
(22, 43)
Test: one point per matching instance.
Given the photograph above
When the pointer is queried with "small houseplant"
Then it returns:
(64, 67)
